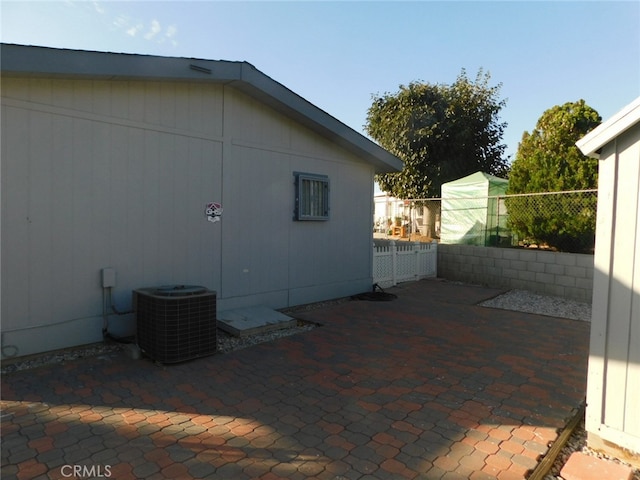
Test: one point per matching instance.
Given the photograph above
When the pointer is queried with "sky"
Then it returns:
(338, 55)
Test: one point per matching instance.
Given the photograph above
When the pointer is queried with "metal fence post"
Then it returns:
(498, 221)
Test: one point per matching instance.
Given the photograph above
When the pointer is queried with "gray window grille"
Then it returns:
(312, 197)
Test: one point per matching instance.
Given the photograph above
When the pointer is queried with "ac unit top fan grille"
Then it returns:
(176, 290)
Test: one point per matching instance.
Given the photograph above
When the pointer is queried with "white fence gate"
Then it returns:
(403, 262)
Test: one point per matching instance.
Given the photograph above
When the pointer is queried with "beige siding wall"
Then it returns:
(614, 367)
(193, 109)
(116, 174)
(265, 253)
(89, 181)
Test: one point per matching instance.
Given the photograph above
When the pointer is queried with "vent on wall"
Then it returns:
(176, 323)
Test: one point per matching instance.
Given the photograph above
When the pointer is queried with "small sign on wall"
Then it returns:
(213, 211)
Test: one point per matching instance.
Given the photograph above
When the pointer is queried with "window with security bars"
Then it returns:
(312, 197)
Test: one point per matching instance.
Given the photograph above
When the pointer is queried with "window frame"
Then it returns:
(311, 210)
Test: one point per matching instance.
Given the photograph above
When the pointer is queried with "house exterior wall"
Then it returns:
(279, 260)
(613, 391)
(117, 173)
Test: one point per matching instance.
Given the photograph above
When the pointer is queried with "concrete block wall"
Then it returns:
(568, 275)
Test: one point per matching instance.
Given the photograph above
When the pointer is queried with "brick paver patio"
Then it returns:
(427, 386)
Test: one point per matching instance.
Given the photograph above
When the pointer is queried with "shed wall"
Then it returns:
(614, 365)
(116, 174)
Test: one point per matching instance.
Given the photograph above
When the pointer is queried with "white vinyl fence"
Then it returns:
(395, 262)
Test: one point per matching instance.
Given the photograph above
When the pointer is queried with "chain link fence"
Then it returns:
(563, 221)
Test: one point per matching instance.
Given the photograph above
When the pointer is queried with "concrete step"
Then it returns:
(251, 320)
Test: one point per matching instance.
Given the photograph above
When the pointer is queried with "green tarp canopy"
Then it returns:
(471, 214)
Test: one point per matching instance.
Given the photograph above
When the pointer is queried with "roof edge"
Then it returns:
(37, 60)
(477, 177)
(62, 62)
(592, 142)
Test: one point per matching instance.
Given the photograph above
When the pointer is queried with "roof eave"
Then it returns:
(262, 87)
(28, 60)
(591, 144)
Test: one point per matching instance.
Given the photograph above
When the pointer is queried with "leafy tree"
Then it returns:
(549, 161)
(441, 132)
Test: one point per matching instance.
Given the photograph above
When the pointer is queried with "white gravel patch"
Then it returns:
(229, 343)
(523, 301)
(225, 343)
(60, 357)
